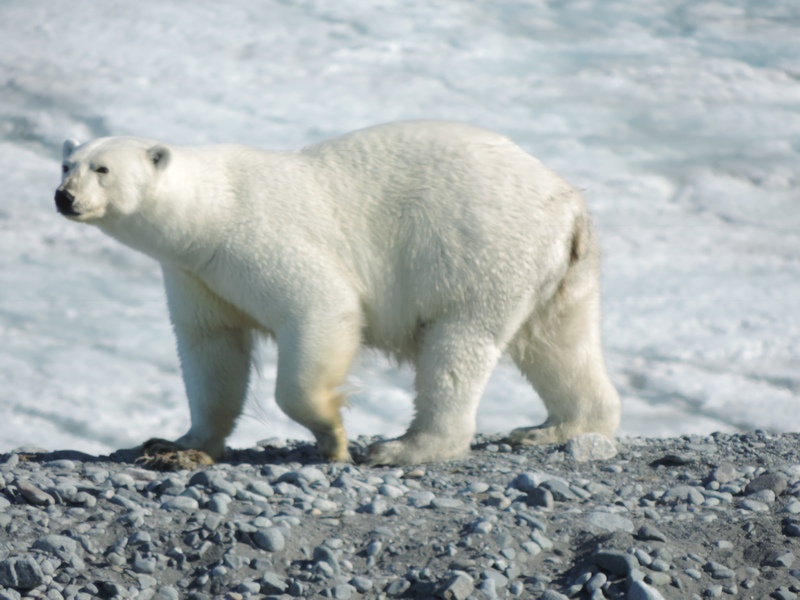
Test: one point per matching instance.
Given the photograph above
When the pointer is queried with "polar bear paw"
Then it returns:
(538, 435)
(412, 450)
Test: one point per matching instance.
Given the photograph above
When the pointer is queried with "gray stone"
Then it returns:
(591, 446)
(378, 506)
(606, 521)
(791, 528)
(643, 557)
(595, 582)
(33, 494)
(765, 496)
(325, 554)
(458, 585)
(781, 559)
(183, 503)
(343, 591)
(21, 572)
(167, 593)
(783, 593)
(57, 545)
(445, 503)
(526, 482)
(754, 505)
(768, 481)
(219, 503)
(649, 532)
(683, 494)
(262, 488)
(693, 573)
(724, 473)
(641, 591)
(543, 541)
(657, 579)
(614, 561)
(272, 583)
(559, 489)
(500, 581)
(309, 476)
(362, 584)
(660, 565)
(270, 539)
(397, 587)
(718, 570)
(144, 565)
(541, 498)
(219, 484)
(420, 499)
(481, 526)
(553, 595)
(390, 491)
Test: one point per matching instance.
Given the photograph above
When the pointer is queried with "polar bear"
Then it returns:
(442, 244)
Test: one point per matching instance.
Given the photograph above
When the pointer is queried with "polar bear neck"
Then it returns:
(183, 223)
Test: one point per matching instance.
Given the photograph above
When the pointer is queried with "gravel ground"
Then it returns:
(689, 517)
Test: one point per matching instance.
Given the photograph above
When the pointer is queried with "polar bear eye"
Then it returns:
(65, 168)
(101, 170)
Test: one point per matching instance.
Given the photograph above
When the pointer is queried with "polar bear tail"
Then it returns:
(581, 239)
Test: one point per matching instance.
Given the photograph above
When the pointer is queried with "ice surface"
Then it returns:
(681, 120)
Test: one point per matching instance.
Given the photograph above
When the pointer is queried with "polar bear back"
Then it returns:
(450, 213)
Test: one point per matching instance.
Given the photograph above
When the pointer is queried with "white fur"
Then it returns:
(440, 243)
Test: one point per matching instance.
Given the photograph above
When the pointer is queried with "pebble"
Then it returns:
(641, 591)
(724, 473)
(754, 505)
(606, 521)
(397, 587)
(32, 494)
(182, 503)
(270, 539)
(541, 497)
(21, 572)
(458, 586)
(590, 446)
(614, 561)
(501, 524)
(781, 559)
(649, 532)
(719, 571)
(361, 584)
(420, 499)
(272, 583)
(775, 482)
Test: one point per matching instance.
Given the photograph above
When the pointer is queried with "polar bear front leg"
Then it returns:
(453, 365)
(314, 355)
(215, 345)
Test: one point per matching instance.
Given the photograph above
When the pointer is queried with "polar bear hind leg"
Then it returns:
(559, 351)
(453, 364)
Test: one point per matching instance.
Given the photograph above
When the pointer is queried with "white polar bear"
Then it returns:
(439, 243)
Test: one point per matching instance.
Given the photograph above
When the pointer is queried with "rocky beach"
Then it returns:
(687, 517)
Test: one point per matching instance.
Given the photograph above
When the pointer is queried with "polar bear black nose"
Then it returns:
(64, 202)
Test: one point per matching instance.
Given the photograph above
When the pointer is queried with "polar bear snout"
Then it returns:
(65, 202)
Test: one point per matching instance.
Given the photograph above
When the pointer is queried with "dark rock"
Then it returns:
(768, 481)
(614, 561)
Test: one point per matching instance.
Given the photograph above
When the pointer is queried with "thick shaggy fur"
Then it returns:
(442, 244)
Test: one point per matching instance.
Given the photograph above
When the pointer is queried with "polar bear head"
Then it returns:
(108, 177)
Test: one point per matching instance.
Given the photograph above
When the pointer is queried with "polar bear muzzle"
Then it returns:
(65, 203)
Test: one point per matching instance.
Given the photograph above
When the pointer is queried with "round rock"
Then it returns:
(591, 446)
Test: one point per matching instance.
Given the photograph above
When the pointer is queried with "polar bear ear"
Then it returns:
(68, 147)
(159, 156)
